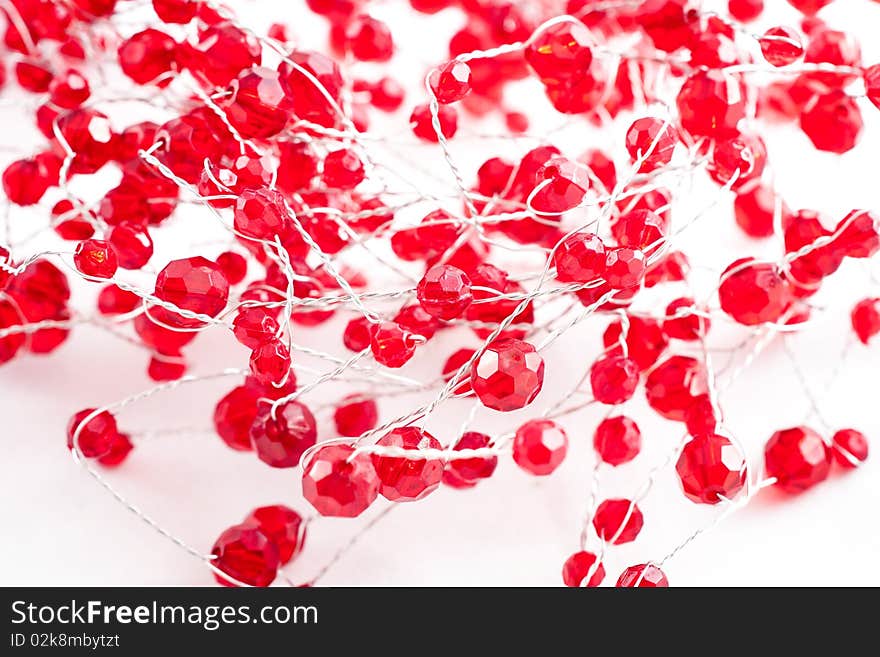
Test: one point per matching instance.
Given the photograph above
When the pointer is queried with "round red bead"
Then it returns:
(644, 575)
(618, 521)
(282, 526)
(337, 483)
(445, 292)
(247, 555)
(798, 458)
(581, 565)
(508, 375)
(617, 440)
(539, 446)
(710, 467)
(849, 447)
(404, 479)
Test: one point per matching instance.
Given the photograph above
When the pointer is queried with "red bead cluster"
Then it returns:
(273, 142)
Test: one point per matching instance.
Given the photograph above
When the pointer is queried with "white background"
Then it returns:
(60, 527)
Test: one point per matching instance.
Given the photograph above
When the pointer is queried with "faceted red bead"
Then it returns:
(798, 458)
(645, 340)
(617, 440)
(175, 11)
(467, 472)
(753, 292)
(640, 229)
(754, 210)
(644, 575)
(281, 440)
(234, 415)
(32, 76)
(247, 555)
(404, 479)
(834, 48)
(508, 375)
(95, 258)
(69, 89)
(282, 526)
(392, 346)
(71, 223)
(355, 415)
(356, 336)
(253, 327)
(259, 107)
(25, 181)
(808, 7)
(539, 446)
(684, 325)
(858, 234)
(865, 318)
(781, 46)
(710, 467)
(147, 55)
(445, 292)
(849, 447)
(579, 566)
(195, 284)
(614, 379)
(310, 103)
(618, 521)
(369, 40)
(96, 436)
(343, 169)
(560, 51)
(132, 243)
(422, 122)
(654, 135)
(624, 268)
(562, 186)
(120, 448)
(261, 213)
(710, 104)
(88, 134)
(113, 300)
(233, 265)
(833, 122)
(297, 166)
(674, 385)
(872, 84)
(337, 483)
(580, 258)
(223, 51)
(451, 81)
(270, 363)
(741, 159)
(9, 316)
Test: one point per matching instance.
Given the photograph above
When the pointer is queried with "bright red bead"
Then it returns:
(640, 229)
(175, 11)
(560, 52)
(247, 555)
(355, 415)
(683, 320)
(858, 234)
(338, 483)
(618, 521)
(865, 319)
(781, 46)
(69, 90)
(369, 40)
(754, 210)
(652, 139)
(582, 569)
(645, 340)
(96, 437)
(674, 385)
(617, 440)
(753, 292)
(270, 363)
(508, 375)
(710, 104)
(539, 446)
(281, 440)
(464, 473)
(233, 265)
(833, 122)
(343, 169)
(254, 327)
(423, 127)
(580, 258)
(195, 284)
(282, 526)
(113, 300)
(95, 258)
(624, 268)
(392, 346)
(644, 575)
(259, 107)
(872, 84)
(710, 467)
(798, 458)
(120, 448)
(445, 292)
(132, 243)
(451, 81)
(741, 159)
(356, 336)
(25, 181)
(404, 479)
(849, 447)
(148, 55)
(234, 415)
(613, 379)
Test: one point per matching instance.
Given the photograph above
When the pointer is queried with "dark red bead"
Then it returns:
(132, 243)
(674, 385)
(282, 526)
(96, 436)
(404, 479)
(445, 292)
(355, 415)
(234, 415)
(247, 555)
(95, 258)
(392, 346)
(711, 104)
(281, 440)
(195, 284)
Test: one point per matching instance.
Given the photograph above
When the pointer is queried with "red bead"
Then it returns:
(120, 448)
(261, 213)
(369, 40)
(781, 46)
(674, 385)
(753, 292)
(798, 458)
(247, 555)
(283, 526)
(392, 346)
(579, 566)
(508, 376)
(539, 446)
(89, 135)
(355, 415)
(166, 367)
(654, 135)
(741, 159)
(422, 122)
(642, 576)
(356, 336)
(563, 186)
(405, 479)
(445, 292)
(858, 234)
(386, 94)
(580, 258)
(195, 284)
(148, 55)
(259, 107)
(710, 104)
(175, 11)
(270, 363)
(835, 48)
(451, 82)
(233, 265)
(617, 440)
(560, 51)
(808, 7)
(69, 90)
(833, 122)
(72, 223)
(234, 415)
(343, 170)
(281, 440)
(614, 379)
(95, 258)
(687, 325)
(640, 229)
(132, 243)
(33, 77)
(872, 84)
(865, 318)
(223, 51)
(254, 327)
(618, 521)
(754, 210)
(337, 484)
(309, 103)
(96, 436)
(464, 473)
(113, 300)
(849, 447)
(710, 467)
(624, 268)
(25, 181)
(645, 340)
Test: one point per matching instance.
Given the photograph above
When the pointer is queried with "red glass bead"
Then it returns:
(281, 440)
(261, 213)
(562, 186)
(392, 346)
(872, 84)
(451, 82)
(72, 223)
(580, 258)
(113, 300)
(247, 555)
(337, 483)
(416, 320)
(640, 229)
(781, 46)
(369, 40)
(9, 316)
(833, 122)
(270, 363)
(96, 436)
(355, 415)
(624, 268)
(753, 292)
(858, 234)
(674, 386)
(95, 258)
(560, 51)
(464, 473)
(644, 575)
(686, 325)
(234, 415)
(343, 169)
(798, 458)
(89, 135)
(297, 166)
(405, 479)
(223, 51)
(654, 135)
(356, 336)
(865, 318)
(539, 446)
(614, 379)
(283, 526)
(69, 90)
(233, 265)
(166, 367)
(25, 181)
(617, 440)
(710, 467)
(120, 448)
(132, 243)
(148, 55)
(808, 7)
(195, 284)
(32, 76)
(836, 49)
(422, 122)
(259, 107)
(445, 292)
(254, 327)
(710, 104)
(386, 94)
(741, 159)
(645, 340)
(508, 375)
(309, 102)
(579, 566)
(618, 521)
(754, 210)
(849, 447)
(175, 11)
